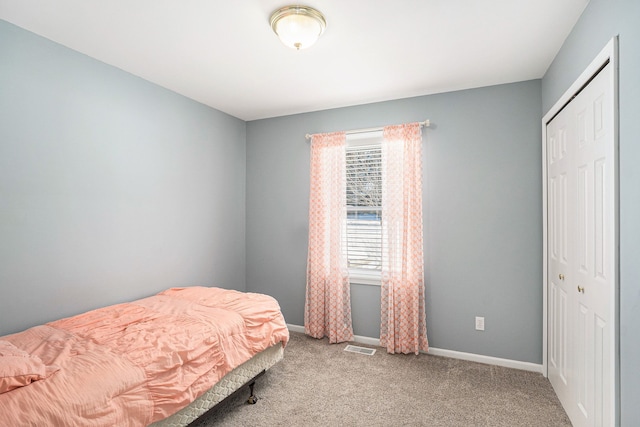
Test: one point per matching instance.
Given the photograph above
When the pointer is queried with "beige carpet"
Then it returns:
(318, 384)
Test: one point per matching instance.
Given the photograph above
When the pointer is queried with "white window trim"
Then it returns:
(365, 277)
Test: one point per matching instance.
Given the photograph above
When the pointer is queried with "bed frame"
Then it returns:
(244, 374)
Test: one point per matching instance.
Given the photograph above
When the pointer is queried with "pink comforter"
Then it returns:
(135, 363)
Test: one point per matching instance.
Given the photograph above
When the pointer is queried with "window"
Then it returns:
(364, 207)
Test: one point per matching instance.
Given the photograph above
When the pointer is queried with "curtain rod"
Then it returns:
(351, 132)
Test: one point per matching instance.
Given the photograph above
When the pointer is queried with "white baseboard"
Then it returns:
(356, 338)
(488, 360)
(472, 357)
(296, 328)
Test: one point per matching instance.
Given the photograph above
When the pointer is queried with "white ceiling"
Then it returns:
(223, 53)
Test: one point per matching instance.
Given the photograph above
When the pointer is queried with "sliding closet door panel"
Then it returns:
(595, 156)
(581, 253)
(560, 209)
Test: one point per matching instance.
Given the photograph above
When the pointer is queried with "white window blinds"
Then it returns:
(364, 205)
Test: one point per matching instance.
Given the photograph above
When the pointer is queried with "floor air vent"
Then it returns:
(360, 350)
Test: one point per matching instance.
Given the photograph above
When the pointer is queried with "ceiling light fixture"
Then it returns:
(298, 27)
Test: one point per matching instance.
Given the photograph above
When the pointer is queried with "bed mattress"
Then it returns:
(138, 363)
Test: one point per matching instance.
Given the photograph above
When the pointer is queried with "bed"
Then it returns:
(163, 360)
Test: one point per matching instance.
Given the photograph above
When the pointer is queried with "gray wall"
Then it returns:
(482, 210)
(111, 188)
(601, 21)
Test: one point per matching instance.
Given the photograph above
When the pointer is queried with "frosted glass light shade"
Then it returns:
(298, 27)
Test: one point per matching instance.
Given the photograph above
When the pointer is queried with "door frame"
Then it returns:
(609, 54)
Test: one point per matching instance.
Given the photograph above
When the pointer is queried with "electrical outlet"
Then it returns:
(479, 323)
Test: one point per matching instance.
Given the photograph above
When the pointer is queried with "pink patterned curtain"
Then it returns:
(403, 326)
(328, 304)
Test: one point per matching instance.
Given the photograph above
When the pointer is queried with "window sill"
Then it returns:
(365, 278)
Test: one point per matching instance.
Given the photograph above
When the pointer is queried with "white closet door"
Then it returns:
(560, 234)
(581, 239)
